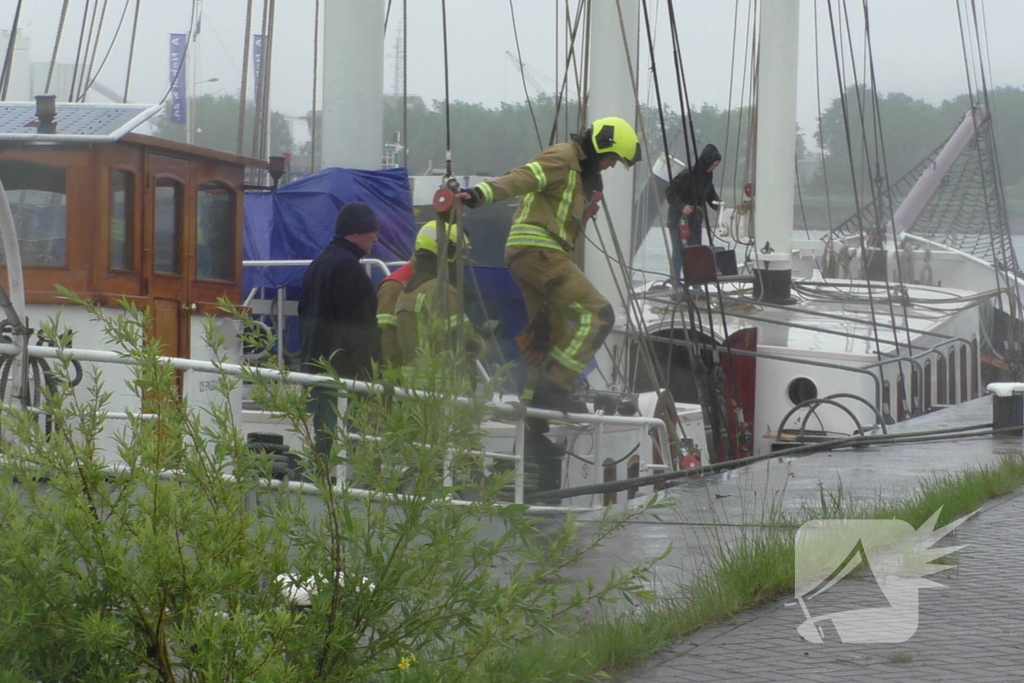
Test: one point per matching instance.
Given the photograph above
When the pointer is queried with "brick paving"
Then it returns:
(970, 630)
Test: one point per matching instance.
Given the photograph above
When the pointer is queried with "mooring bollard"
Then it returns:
(1007, 406)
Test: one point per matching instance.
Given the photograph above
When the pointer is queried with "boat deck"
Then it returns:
(829, 317)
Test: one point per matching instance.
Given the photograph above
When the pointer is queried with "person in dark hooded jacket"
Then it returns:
(688, 194)
(338, 313)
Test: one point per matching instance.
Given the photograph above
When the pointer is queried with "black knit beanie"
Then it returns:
(355, 218)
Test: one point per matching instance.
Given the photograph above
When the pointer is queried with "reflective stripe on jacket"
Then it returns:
(387, 299)
(415, 312)
(550, 211)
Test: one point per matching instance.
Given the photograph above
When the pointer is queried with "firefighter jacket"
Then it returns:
(388, 292)
(550, 213)
(338, 312)
(417, 312)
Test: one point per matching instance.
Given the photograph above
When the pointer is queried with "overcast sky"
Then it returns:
(916, 44)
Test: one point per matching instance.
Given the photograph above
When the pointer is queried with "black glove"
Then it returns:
(475, 198)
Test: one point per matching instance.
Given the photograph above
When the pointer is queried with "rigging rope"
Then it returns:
(853, 172)
(110, 47)
(5, 76)
(78, 52)
(131, 51)
(95, 40)
(184, 55)
(522, 73)
(563, 89)
(56, 43)
(447, 101)
(245, 73)
(405, 83)
(881, 153)
(1009, 256)
(716, 409)
(316, 65)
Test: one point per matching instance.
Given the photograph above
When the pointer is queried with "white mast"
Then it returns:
(610, 93)
(775, 169)
(353, 118)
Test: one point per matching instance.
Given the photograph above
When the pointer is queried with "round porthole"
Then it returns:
(802, 389)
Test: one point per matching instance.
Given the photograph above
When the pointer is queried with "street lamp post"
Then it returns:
(190, 135)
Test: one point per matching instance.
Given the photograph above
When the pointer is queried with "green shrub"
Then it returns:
(176, 565)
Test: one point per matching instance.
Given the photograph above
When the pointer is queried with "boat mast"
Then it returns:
(610, 93)
(775, 170)
(353, 80)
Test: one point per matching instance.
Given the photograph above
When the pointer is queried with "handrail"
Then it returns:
(279, 319)
(514, 411)
(815, 402)
(863, 369)
(809, 312)
(370, 263)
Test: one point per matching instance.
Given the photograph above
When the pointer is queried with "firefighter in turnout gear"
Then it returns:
(416, 309)
(569, 318)
(388, 291)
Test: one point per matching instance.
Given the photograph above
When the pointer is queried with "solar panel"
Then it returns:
(75, 122)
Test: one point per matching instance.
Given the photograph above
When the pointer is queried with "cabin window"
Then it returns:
(38, 197)
(167, 229)
(216, 237)
(122, 221)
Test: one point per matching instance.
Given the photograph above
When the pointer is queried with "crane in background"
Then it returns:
(527, 73)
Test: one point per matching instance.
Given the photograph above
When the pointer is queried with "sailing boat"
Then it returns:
(738, 357)
(882, 338)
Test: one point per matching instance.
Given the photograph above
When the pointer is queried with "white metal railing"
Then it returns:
(514, 411)
(279, 318)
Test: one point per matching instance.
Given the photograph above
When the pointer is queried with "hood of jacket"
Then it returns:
(708, 156)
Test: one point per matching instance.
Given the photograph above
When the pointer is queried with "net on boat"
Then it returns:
(967, 212)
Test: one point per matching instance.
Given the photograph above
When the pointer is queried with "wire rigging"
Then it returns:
(110, 48)
(316, 67)
(849, 146)
(56, 42)
(88, 80)
(131, 51)
(9, 57)
(447, 96)
(240, 139)
(78, 51)
(522, 73)
(405, 82)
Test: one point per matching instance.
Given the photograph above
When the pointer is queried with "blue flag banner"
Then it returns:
(179, 43)
(257, 51)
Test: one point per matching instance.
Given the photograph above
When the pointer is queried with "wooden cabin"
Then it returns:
(155, 221)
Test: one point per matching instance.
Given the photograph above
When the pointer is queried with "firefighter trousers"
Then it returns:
(581, 317)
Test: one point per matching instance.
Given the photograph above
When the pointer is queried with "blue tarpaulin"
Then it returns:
(297, 221)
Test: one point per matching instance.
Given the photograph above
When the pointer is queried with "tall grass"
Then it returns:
(738, 573)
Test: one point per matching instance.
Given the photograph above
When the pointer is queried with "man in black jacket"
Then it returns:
(338, 313)
(687, 195)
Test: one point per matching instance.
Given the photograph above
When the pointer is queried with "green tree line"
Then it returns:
(489, 141)
(217, 126)
(910, 130)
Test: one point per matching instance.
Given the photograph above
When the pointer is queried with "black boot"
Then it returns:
(550, 396)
